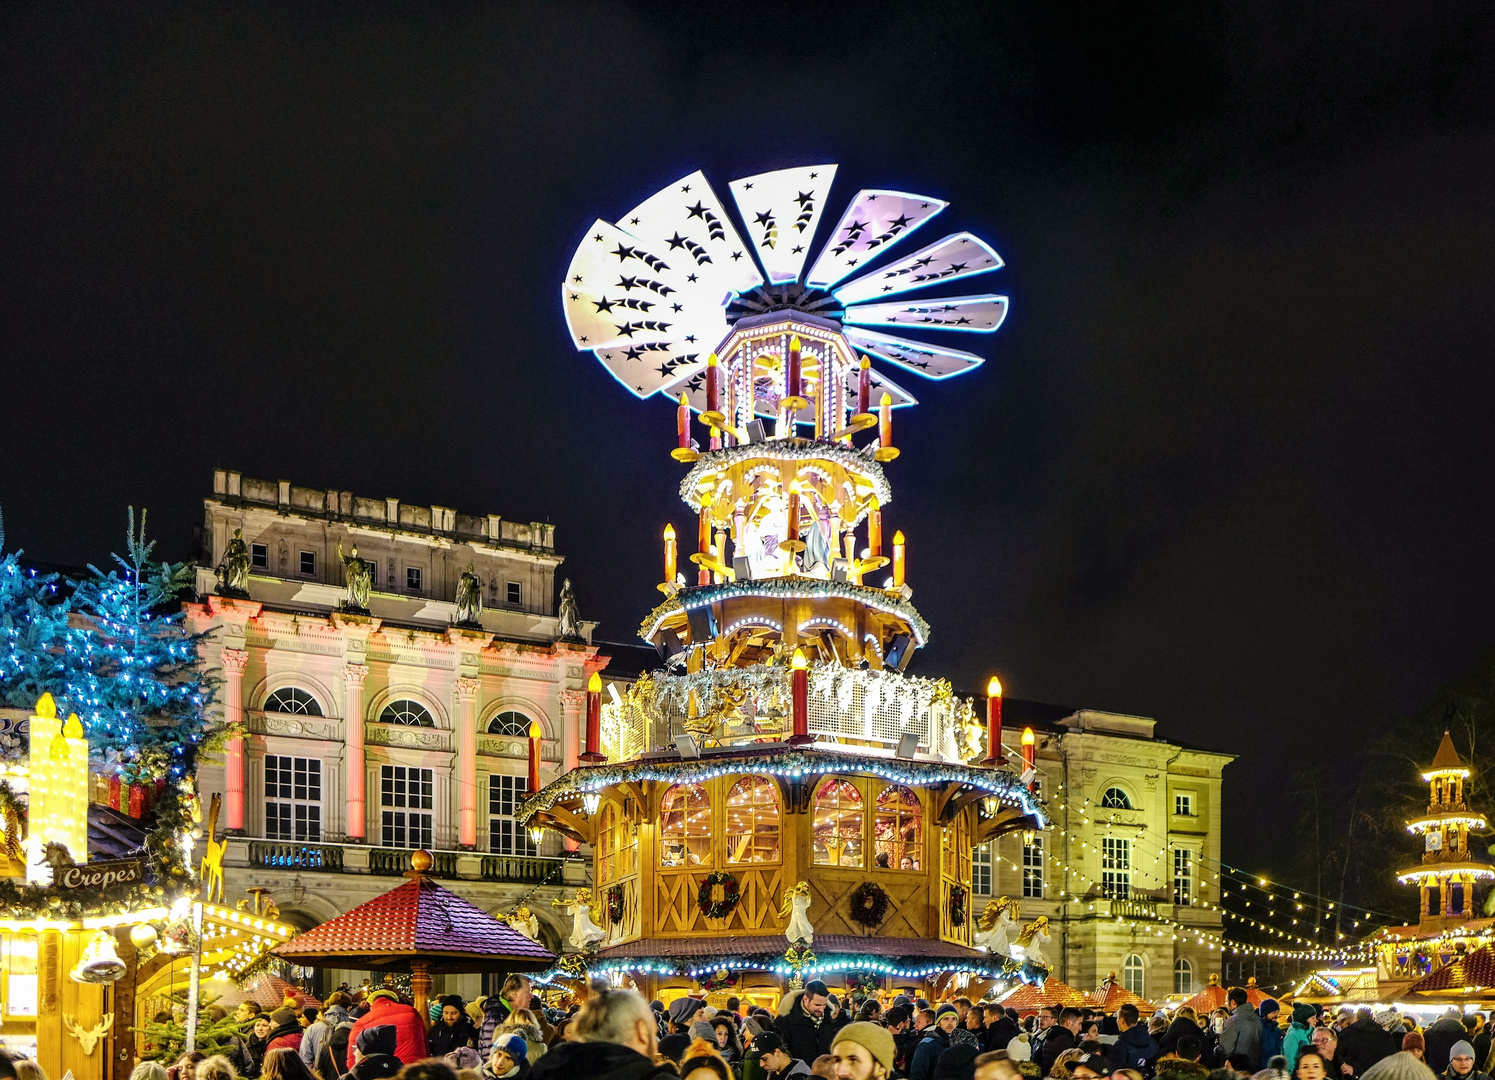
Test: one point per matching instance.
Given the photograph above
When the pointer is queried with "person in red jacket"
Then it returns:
(385, 1008)
(285, 1030)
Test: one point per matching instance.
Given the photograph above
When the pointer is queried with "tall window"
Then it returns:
(406, 801)
(1132, 975)
(617, 845)
(505, 837)
(1183, 876)
(406, 712)
(1033, 867)
(259, 556)
(1116, 867)
(412, 578)
(898, 829)
(837, 823)
(513, 592)
(1183, 804)
(753, 821)
(1115, 799)
(293, 699)
(293, 798)
(1183, 976)
(685, 826)
(308, 562)
(981, 869)
(513, 724)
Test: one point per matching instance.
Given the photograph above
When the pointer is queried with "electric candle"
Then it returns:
(899, 557)
(671, 554)
(791, 369)
(535, 732)
(800, 691)
(864, 387)
(994, 721)
(885, 421)
(594, 720)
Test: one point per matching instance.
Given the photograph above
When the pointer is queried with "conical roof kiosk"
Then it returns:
(782, 802)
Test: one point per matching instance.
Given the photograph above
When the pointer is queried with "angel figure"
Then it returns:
(998, 921)
(585, 933)
(797, 900)
(969, 733)
(1029, 944)
(524, 922)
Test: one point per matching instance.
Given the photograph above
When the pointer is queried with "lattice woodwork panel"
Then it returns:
(761, 891)
(675, 910)
(630, 926)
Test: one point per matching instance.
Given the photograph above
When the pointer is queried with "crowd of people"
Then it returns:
(614, 1034)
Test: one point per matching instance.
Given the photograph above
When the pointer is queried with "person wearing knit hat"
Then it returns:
(935, 1042)
(1461, 1063)
(1399, 1067)
(1299, 1032)
(1412, 1043)
(510, 1060)
(863, 1051)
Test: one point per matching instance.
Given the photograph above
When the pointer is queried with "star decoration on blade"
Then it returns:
(684, 271)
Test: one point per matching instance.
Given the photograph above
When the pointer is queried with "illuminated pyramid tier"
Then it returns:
(782, 749)
(1449, 870)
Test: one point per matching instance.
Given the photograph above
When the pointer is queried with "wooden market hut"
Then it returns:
(1214, 996)
(1110, 996)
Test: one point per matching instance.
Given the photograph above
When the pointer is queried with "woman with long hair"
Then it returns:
(283, 1063)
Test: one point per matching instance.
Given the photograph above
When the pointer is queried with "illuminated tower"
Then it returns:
(1448, 872)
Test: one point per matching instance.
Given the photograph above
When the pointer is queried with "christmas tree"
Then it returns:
(166, 1040)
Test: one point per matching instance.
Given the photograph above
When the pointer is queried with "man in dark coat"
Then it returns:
(1134, 1048)
(1440, 1038)
(1001, 1028)
(1365, 1042)
(805, 1024)
(1184, 1025)
(1064, 1036)
(374, 1054)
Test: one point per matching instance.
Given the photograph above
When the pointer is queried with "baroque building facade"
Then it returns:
(366, 735)
(1128, 870)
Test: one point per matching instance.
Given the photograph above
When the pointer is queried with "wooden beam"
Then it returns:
(1009, 819)
(578, 827)
(955, 805)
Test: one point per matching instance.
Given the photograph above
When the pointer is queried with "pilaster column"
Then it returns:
(467, 762)
(353, 676)
(573, 716)
(234, 662)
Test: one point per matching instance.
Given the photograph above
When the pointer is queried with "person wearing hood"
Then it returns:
(1461, 1063)
(374, 1054)
(319, 1032)
(1363, 1042)
(934, 1044)
(1271, 1031)
(285, 1030)
(1299, 1032)
(1134, 1048)
(454, 1029)
(1440, 1037)
(806, 1023)
(1185, 1024)
(385, 1008)
(510, 1060)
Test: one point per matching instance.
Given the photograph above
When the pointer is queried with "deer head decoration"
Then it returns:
(88, 1038)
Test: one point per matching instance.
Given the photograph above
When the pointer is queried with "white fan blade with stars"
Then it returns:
(930, 361)
(688, 217)
(981, 314)
(781, 210)
(956, 256)
(874, 222)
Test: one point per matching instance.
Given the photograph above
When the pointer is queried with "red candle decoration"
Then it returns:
(594, 720)
(712, 394)
(1030, 751)
(534, 755)
(799, 685)
(885, 421)
(682, 423)
(864, 387)
(994, 753)
(791, 514)
(791, 369)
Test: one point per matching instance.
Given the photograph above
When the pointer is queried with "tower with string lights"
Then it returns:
(782, 800)
(1446, 876)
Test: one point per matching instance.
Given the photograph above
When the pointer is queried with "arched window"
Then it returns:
(1183, 976)
(406, 712)
(1131, 974)
(617, 845)
(898, 829)
(1115, 799)
(513, 724)
(837, 823)
(685, 826)
(753, 821)
(294, 700)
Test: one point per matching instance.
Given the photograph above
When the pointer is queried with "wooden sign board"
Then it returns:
(100, 874)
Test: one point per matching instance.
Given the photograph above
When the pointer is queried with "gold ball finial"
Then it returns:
(421, 861)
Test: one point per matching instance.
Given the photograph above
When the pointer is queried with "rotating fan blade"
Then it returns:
(653, 367)
(956, 256)
(781, 210)
(874, 222)
(616, 291)
(981, 314)
(930, 361)
(687, 218)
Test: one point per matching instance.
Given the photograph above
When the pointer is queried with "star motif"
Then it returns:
(623, 253)
(576, 279)
(851, 262)
(692, 277)
(604, 305)
(627, 283)
(676, 241)
(924, 261)
(797, 249)
(598, 238)
(627, 330)
(923, 206)
(684, 187)
(765, 218)
(871, 198)
(690, 337)
(677, 307)
(697, 210)
(899, 222)
(804, 198)
(813, 175)
(957, 267)
(962, 321)
(584, 337)
(663, 369)
(747, 187)
(633, 221)
(736, 255)
(576, 296)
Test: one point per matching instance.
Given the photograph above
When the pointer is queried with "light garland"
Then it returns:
(786, 588)
(861, 466)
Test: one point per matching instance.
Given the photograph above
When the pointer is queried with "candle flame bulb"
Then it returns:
(594, 684)
(900, 554)
(799, 663)
(885, 420)
(1028, 737)
(46, 708)
(593, 751)
(994, 688)
(799, 692)
(535, 732)
(864, 387)
(994, 721)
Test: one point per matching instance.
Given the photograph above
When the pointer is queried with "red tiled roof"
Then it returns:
(418, 918)
(1112, 996)
(1030, 998)
(269, 990)
(1476, 969)
(1213, 996)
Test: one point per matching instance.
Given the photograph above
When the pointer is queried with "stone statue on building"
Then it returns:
(357, 580)
(233, 571)
(469, 598)
(570, 621)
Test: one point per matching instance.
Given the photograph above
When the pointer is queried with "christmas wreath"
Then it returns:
(722, 980)
(957, 905)
(718, 909)
(865, 983)
(869, 905)
(615, 904)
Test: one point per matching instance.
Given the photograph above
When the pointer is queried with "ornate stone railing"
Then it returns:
(392, 862)
(286, 855)
(525, 869)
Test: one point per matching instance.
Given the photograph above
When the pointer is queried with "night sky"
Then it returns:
(1229, 461)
